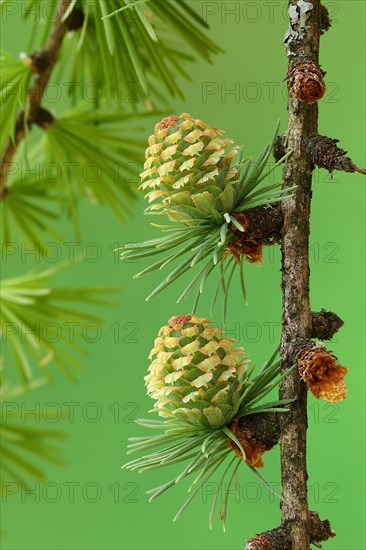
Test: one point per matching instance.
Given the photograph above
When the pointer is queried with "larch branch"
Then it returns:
(43, 64)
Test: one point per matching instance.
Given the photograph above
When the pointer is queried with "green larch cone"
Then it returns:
(199, 378)
(196, 375)
(221, 214)
(189, 164)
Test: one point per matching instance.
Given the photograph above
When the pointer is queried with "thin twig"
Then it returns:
(49, 56)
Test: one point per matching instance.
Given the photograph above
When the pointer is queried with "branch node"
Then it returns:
(325, 22)
(262, 227)
(280, 538)
(75, 20)
(257, 434)
(323, 152)
(325, 324)
(43, 118)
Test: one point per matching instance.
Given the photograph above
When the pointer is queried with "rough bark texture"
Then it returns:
(43, 65)
(302, 44)
(280, 538)
(279, 150)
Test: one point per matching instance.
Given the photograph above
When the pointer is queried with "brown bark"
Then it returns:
(43, 65)
(302, 44)
(280, 538)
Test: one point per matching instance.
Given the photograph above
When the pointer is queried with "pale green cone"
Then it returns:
(189, 169)
(203, 183)
(196, 374)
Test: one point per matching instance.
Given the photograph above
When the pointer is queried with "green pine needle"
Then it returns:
(36, 323)
(15, 76)
(204, 450)
(22, 446)
(213, 234)
(29, 207)
(152, 37)
(96, 154)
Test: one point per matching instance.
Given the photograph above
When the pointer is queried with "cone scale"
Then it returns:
(199, 180)
(196, 373)
(188, 163)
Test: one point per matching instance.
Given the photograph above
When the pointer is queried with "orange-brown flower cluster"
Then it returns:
(306, 82)
(322, 373)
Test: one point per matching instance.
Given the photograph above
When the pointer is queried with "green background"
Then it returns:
(111, 389)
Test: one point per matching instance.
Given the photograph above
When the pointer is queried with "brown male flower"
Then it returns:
(306, 82)
(322, 373)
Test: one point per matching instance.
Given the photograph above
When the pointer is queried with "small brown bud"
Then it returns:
(75, 20)
(325, 324)
(279, 149)
(43, 118)
(306, 82)
(40, 61)
(325, 22)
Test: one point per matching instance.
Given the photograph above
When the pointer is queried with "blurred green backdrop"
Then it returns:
(91, 503)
